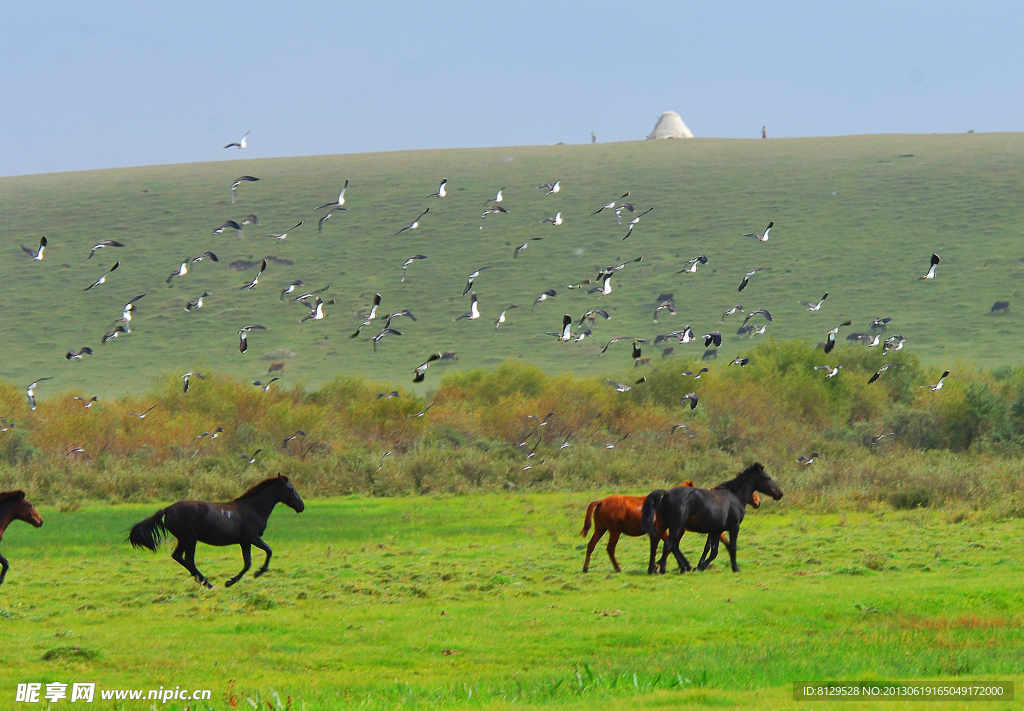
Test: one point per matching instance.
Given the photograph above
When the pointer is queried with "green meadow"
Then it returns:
(479, 602)
(855, 216)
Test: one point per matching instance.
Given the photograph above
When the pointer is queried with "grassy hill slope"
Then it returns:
(855, 216)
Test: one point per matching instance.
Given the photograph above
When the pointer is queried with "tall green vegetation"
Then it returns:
(959, 447)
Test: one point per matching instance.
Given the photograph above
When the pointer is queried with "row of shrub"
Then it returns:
(959, 447)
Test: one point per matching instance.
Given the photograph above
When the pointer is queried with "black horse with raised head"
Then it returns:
(239, 522)
(15, 507)
(710, 511)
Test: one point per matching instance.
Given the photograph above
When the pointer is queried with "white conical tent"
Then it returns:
(670, 125)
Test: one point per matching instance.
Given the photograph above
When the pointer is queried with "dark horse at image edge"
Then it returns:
(239, 522)
(14, 506)
(710, 511)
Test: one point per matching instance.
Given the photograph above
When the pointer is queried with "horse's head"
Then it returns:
(26, 512)
(287, 494)
(764, 483)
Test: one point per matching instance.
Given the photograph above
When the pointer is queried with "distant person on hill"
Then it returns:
(593, 137)
(764, 132)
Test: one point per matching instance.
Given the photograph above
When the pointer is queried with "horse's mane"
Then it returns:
(280, 478)
(4, 495)
(737, 481)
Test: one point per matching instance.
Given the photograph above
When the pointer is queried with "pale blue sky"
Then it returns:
(95, 85)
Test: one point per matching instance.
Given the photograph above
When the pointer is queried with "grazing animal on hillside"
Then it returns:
(620, 514)
(239, 522)
(646, 360)
(668, 351)
(277, 367)
(709, 354)
(1003, 306)
(710, 511)
(449, 357)
(14, 505)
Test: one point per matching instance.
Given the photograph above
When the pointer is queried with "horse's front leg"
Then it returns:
(266, 564)
(247, 559)
(734, 533)
(5, 566)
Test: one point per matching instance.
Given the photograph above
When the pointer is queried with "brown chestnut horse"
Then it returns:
(620, 514)
(14, 505)
(239, 522)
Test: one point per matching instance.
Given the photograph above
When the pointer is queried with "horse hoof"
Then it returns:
(229, 583)
(258, 573)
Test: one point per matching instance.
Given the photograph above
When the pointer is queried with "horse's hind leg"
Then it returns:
(704, 556)
(652, 566)
(266, 564)
(712, 546)
(684, 565)
(185, 554)
(613, 538)
(247, 559)
(599, 530)
(4, 565)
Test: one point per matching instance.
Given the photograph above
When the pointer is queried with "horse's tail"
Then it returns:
(149, 533)
(651, 504)
(591, 510)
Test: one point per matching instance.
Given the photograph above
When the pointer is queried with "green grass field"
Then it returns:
(856, 216)
(479, 602)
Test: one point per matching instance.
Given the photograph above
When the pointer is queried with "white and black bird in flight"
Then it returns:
(474, 310)
(894, 343)
(249, 286)
(327, 216)
(441, 192)
(182, 271)
(114, 334)
(566, 333)
(593, 312)
(938, 385)
(738, 308)
(524, 245)
(882, 370)
(421, 413)
(371, 316)
(37, 255)
(498, 197)
(501, 316)
(316, 313)
(409, 261)
(340, 202)
(290, 288)
(186, 378)
(612, 445)
(264, 386)
(614, 340)
(196, 303)
(384, 332)
(746, 278)
(243, 179)
(556, 220)
(205, 255)
(757, 312)
(284, 235)
(830, 338)
(243, 336)
(611, 205)
(100, 245)
(832, 371)
(763, 237)
(740, 361)
(142, 415)
(548, 294)
(692, 397)
(126, 313)
(552, 188)
(620, 387)
(814, 306)
(670, 305)
(412, 225)
(30, 391)
(293, 437)
(240, 143)
(212, 435)
(86, 402)
(103, 279)
(230, 224)
(689, 432)
(252, 459)
(931, 269)
(73, 355)
(624, 207)
(491, 210)
(693, 264)
(635, 221)
(420, 371)
(469, 280)
(805, 460)
(713, 337)
(251, 219)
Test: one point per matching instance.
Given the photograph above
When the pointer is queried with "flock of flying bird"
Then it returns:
(600, 286)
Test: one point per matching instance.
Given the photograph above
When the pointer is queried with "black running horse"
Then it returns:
(14, 506)
(710, 511)
(240, 522)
